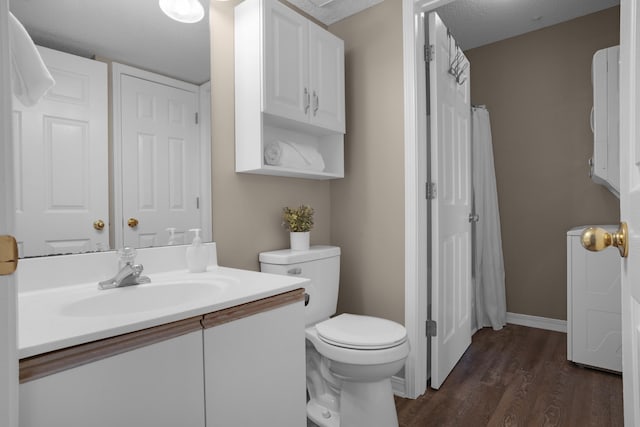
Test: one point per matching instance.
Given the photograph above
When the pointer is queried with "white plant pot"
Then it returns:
(299, 240)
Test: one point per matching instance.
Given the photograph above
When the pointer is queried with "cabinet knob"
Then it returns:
(132, 222)
(596, 239)
(98, 225)
(307, 101)
(316, 102)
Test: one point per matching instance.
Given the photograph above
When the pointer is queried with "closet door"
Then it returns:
(160, 161)
(60, 151)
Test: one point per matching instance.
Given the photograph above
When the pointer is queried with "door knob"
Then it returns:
(132, 222)
(8, 255)
(596, 239)
(98, 225)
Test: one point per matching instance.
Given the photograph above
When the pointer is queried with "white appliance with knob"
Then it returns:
(605, 119)
(350, 358)
(594, 322)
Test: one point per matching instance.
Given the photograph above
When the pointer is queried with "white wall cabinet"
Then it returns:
(156, 385)
(594, 321)
(289, 86)
(255, 370)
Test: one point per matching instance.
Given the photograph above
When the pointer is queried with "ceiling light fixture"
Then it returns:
(187, 11)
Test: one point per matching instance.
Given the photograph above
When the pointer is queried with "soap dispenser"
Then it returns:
(197, 254)
(172, 236)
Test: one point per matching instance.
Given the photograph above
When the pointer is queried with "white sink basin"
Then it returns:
(144, 298)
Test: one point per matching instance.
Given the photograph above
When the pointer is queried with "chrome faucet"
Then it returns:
(129, 273)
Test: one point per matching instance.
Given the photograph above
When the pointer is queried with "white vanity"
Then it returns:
(220, 348)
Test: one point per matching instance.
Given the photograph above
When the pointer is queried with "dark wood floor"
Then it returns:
(518, 377)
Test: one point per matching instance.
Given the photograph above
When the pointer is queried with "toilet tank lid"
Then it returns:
(288, 256)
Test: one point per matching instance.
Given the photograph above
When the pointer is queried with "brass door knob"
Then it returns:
(8, 255)
(98, 225)
(132, 222)
(596, 239)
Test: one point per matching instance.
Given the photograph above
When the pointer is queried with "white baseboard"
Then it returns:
(397, 383)
(537, 322)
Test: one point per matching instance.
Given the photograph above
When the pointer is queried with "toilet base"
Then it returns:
(368, 404)
(322, 416)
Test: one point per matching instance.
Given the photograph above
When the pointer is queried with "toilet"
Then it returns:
(350, 358)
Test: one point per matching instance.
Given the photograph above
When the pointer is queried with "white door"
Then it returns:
(61, 160)
(8, 300)
(630, 206)
(160, 161)
(326, 79)
(286, 63)
(450, 228)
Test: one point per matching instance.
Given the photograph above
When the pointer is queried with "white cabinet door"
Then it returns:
(61, 158)
(286, 63)
(326, 77)
(159, 385)
(255, 370)
(160, 161)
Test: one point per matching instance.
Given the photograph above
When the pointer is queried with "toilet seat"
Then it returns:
(361, 332)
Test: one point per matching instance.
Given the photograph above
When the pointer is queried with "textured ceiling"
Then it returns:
(478, 22)
(330, 11)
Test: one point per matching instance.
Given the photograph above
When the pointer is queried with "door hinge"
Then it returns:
(429, 53)
(196, 118)
(8, 255)
(432, 328)
(431, 190)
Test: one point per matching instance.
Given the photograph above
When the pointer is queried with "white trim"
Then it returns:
(415, 366)
(537, 322)
(399, 387)
(8, 291)
(206, 163)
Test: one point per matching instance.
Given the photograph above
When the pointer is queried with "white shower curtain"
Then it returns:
(490, 301)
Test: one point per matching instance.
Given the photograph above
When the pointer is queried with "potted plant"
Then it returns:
(299, 221)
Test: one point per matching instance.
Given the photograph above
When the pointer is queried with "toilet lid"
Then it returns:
(361, 332)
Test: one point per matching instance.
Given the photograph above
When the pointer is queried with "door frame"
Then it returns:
(8, 291)
(415, 164)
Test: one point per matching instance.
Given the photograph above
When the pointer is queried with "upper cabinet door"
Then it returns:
(286, 63)
(326, 72)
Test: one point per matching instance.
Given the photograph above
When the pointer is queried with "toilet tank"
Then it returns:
(320, 264)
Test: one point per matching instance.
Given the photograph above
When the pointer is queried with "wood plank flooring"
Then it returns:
(518, 376)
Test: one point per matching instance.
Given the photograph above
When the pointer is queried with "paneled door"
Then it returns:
(60, 158)
(450, 164)
(160, 161)
(630, 206)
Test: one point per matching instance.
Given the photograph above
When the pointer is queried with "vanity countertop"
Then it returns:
(62, 317)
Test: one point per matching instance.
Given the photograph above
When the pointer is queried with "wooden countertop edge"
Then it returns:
(42, 365)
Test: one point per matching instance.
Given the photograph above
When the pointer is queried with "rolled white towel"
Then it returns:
(30, 77)
(293, 155)
(273, 153)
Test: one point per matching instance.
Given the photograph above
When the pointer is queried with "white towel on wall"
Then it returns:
(29, 75)
(292, 155)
